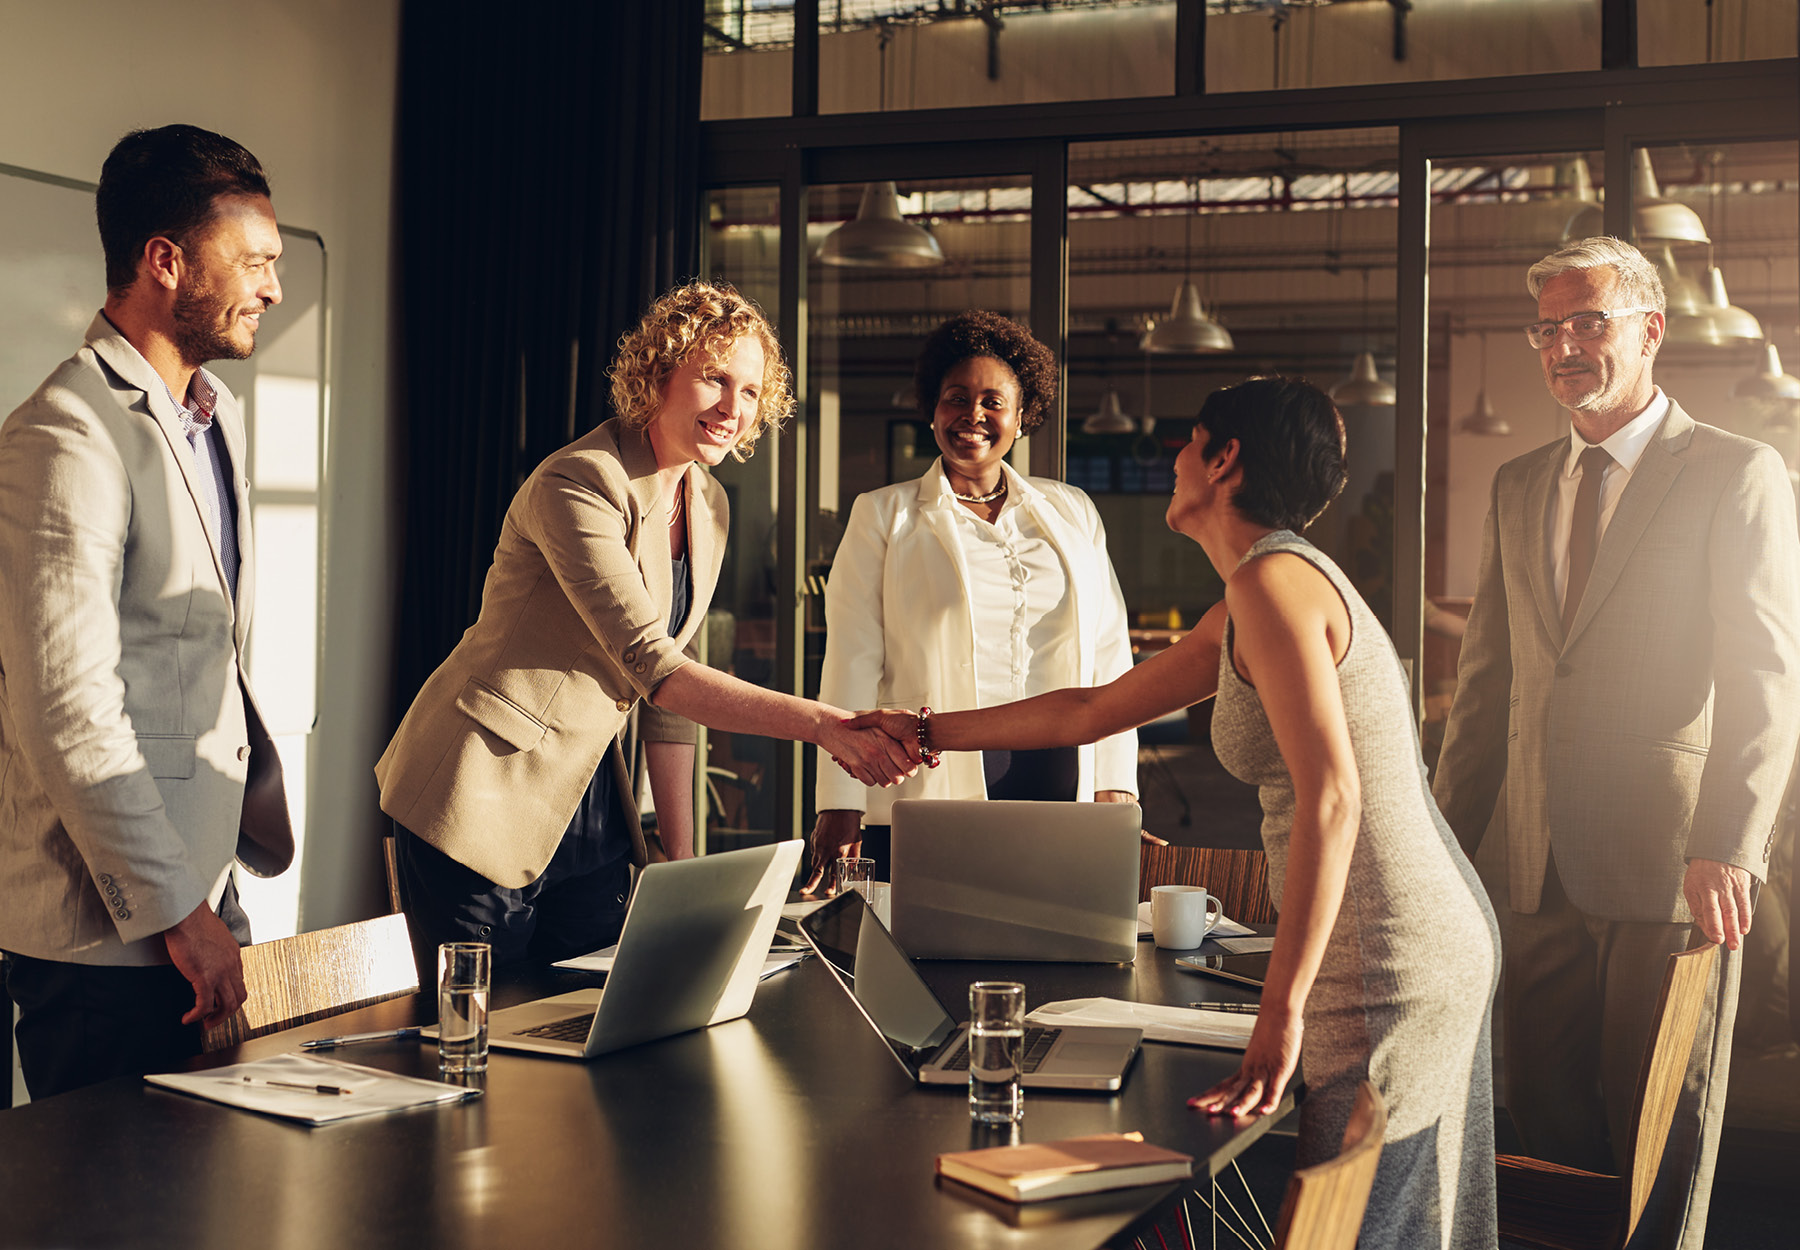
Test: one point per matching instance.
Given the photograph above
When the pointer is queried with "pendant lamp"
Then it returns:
(1653, 219)
(1187, 329)
(1732, 326)
(1363, 387)
(1771, 383)
(879, 237)
(1109, 418)
(1484, 420)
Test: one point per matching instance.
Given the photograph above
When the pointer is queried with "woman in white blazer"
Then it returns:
(972, 585)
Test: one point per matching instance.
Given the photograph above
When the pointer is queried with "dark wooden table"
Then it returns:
(792, 1127)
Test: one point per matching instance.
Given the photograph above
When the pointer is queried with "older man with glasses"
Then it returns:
(1625, 718)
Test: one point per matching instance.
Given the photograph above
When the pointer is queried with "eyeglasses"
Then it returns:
(1580, 326)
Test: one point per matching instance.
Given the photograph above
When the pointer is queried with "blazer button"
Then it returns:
(624, 705)
(123, 913)
(1563, 670)
(106, 878)
(643, 668)
(243, 753)
(629, 656)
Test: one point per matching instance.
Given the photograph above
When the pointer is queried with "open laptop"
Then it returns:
(690, 955)
(1003, 879)
(926, 1039)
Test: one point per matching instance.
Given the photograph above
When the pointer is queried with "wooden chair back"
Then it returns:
(295, 980)
(1664, 1065)
(1238, 879)
(1323, 1209)
(390, 863)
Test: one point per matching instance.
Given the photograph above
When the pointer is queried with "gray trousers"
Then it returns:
(1579, 997)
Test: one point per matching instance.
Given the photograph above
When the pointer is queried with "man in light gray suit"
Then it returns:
(134, 766)
(1627, 710)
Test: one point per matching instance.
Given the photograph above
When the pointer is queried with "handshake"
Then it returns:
(879, 748)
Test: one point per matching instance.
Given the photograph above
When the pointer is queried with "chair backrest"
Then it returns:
(1238, 879)
(1323, 1209)
(1664, 1065)
(294, 980)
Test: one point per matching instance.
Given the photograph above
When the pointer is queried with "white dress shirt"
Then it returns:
(1019, 597)
(1626, 447)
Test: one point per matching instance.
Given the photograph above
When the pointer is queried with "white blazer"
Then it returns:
(902, 631)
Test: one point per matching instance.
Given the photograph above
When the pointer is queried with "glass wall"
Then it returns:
(736, 793)
(1678, 32)
(1193, 264)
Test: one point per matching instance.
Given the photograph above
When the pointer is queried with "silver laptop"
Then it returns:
(690, 955)
(993, 879)
(924, 1038)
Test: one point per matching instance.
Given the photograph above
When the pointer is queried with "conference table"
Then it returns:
(791, 1127)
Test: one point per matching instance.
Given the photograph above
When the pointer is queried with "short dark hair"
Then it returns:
(163, 182)
(979, 333)
(1290, 447)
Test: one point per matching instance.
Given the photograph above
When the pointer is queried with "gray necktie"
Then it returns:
(1584, 530)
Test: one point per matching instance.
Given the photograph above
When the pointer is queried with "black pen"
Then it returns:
(351, 1039)
(1246, 1009)
(308, 1086)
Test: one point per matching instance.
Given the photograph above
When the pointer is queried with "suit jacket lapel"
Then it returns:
(706, 554)
(1655, 473)
(652, 550)
(126, 361)
(1540, 494)
(935, 509)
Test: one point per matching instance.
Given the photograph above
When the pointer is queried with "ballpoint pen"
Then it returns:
(305, 1085)
(1247, 1009)
(351, 1039)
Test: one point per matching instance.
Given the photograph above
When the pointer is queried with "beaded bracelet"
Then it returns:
(930, 757)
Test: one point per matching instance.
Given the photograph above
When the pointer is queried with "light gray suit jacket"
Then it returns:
(133, 762)
(1663, 726)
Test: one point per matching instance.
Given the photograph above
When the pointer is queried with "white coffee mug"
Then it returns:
(1182, 915)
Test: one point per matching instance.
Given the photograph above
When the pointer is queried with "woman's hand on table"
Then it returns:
(1262, 1078)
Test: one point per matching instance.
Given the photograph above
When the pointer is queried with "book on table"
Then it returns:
(1057, 1169)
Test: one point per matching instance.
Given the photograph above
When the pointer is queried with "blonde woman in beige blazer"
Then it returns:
(514, 820)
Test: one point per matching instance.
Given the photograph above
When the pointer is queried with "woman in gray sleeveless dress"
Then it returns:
(1387, 955)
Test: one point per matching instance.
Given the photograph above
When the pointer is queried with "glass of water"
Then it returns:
(464, 972)
(996, 1051)
(855, 874)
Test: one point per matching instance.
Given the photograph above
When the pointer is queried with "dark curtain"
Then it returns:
(546, 196)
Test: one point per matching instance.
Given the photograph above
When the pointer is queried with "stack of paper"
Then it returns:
(1186, 1025)
(309, 1089)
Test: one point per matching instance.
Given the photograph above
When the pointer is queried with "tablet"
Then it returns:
(1243, 969)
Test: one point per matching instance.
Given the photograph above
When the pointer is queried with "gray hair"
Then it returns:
(1639, 282)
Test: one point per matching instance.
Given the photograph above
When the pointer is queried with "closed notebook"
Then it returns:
(1057, 1169)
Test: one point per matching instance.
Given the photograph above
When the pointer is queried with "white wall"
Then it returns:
(310, 88)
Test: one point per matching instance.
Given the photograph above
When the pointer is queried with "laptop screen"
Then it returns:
(870, 964)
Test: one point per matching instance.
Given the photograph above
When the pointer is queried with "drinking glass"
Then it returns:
(855, 874)
(996, 1051)
(464, 972)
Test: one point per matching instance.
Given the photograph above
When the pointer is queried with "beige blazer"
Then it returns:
(492, 758)
(1663, 726)
(902, 630)
(133, 761)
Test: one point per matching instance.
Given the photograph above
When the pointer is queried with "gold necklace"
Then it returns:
(987, 498)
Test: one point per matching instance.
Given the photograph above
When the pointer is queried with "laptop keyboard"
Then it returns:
(1038, 1042)
(574, 1029)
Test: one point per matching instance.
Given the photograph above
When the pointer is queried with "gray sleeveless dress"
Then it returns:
(1407, 984)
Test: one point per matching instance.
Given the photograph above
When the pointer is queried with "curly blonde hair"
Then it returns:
(701, 316)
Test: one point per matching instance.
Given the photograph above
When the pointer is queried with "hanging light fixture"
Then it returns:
(1187, 331)
(1653, 219)
(1483, 419)
(1731, 326)
(1364, 387)
(1771, 383)
(880, 237)
(1685, 306)
(1109, 417)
